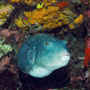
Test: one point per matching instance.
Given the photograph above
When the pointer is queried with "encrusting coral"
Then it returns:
(24, 1)
(4, 48)
(77, 21)
(5, 11)
(48, 17)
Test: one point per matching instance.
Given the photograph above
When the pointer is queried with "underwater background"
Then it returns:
(66, 20)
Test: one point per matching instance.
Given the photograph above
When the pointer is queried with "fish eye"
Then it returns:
(46, 43)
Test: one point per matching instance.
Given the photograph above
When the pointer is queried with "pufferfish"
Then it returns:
(41, 54)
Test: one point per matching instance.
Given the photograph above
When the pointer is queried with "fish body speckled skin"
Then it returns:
(41, 54)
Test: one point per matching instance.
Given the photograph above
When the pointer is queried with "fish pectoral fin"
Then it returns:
(31, 55)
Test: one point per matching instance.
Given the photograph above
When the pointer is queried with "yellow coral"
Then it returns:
(5, 8)
(5, 11)
(14, 0)
(2, 21)
(28, 1)
(79, 19)
(39, 15)
(53, 1)
(27, 14)
(19, 22)
(71, 25)
(24, 1)
(49, 17)
(48, 2)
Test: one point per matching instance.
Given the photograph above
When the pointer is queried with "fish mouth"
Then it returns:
(60, 61)
(65, 57)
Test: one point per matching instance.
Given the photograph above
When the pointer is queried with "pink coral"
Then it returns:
(87, 13)
(13, 69)
(5, 61)
(84, 1)
(7, 33)
(76, 78)
(11, 33)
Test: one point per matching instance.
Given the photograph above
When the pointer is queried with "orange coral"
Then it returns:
(14, 0)
(49, 17)
(24, 1)
(87, 52)
(79, 19)
(62, 4)
(42, 14)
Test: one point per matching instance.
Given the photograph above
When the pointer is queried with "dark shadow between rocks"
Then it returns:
(59, 78)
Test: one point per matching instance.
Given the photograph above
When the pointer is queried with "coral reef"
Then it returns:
(40, 6)
(62, 4)
(76, 22)
(5, 11)
(87, 13)
(20, 19)
(49, 18)
(79, 19)
(75, 1)
(4, 48)
(19, 1)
